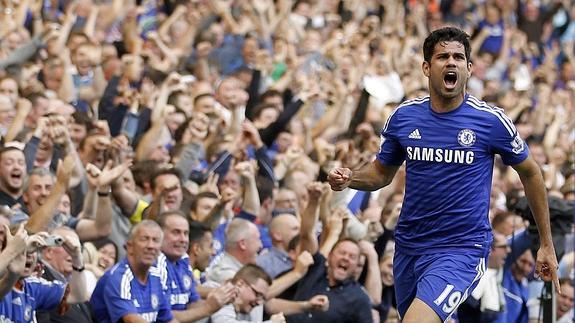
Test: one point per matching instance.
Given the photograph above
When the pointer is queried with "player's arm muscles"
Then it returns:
(532, 180)
(372, 176)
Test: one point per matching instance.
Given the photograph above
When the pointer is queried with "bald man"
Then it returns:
(283, 229)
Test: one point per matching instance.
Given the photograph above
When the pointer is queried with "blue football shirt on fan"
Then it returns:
(118, 293)
(449, 159)
(177, 281)
(36, 294)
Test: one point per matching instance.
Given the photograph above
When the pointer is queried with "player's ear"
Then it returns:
(469, 69)
(425, 67)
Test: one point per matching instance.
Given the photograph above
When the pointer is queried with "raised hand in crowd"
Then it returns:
(221, 296)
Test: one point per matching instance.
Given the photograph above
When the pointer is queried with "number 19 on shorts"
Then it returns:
(452, 299)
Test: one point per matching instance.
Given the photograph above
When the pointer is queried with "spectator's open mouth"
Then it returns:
(450, 80)
(17, 175)
(341, 269)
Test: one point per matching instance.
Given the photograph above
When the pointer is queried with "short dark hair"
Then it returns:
(265, 188)
(82, 118)
(340, 241)
(143, 170)
(164, 171)
(258, 109)
(251, 273)
(106, 241)
(90, 134)
(165, 215)
(201, 96)
(35, 96)
(81, 35)
(173, 98)
(270, 93)
(202, 195)
(500, 217)
(7, 149)
(197, 231)
(446, 34)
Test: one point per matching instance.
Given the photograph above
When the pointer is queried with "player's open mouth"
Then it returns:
(450, 80)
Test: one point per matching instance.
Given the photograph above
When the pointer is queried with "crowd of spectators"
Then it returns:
(167, 160)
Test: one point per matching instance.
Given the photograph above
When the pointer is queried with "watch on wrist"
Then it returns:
(78, 269)
(105, 193)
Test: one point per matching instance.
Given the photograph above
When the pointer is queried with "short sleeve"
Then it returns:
(506, 141)
(136, 216)
(48, 294)
(117, 295)
(390, 152)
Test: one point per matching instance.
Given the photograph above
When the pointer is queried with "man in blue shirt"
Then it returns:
(176, 274)
(26, 293)
(22, 295)
(448, 141)
(130, 291)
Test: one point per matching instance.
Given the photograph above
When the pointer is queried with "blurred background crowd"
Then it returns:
(115, 111)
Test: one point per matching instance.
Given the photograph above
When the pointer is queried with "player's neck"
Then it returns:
(441, 104)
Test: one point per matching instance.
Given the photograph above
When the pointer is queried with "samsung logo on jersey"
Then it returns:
(150, 316)
(440, 155)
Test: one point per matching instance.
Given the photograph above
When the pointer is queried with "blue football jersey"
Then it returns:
(177, 281)
(119, 293)
(36, 294)
(449, 163)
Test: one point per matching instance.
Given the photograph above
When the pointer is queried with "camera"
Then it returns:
(54, 241)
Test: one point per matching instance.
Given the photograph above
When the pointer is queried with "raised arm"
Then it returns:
(23, 108)
(41, 218)
(101, 225)
(251, 200)
(333, 229)
(308, 240)
(77, 281)
(15, 246)
(372, 284)
(279, 285)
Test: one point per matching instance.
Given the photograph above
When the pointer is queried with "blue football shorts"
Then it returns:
(442, 281)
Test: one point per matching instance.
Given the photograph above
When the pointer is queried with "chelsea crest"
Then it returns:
(466, 137)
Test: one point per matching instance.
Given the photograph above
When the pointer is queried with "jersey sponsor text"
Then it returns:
(440, 155)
